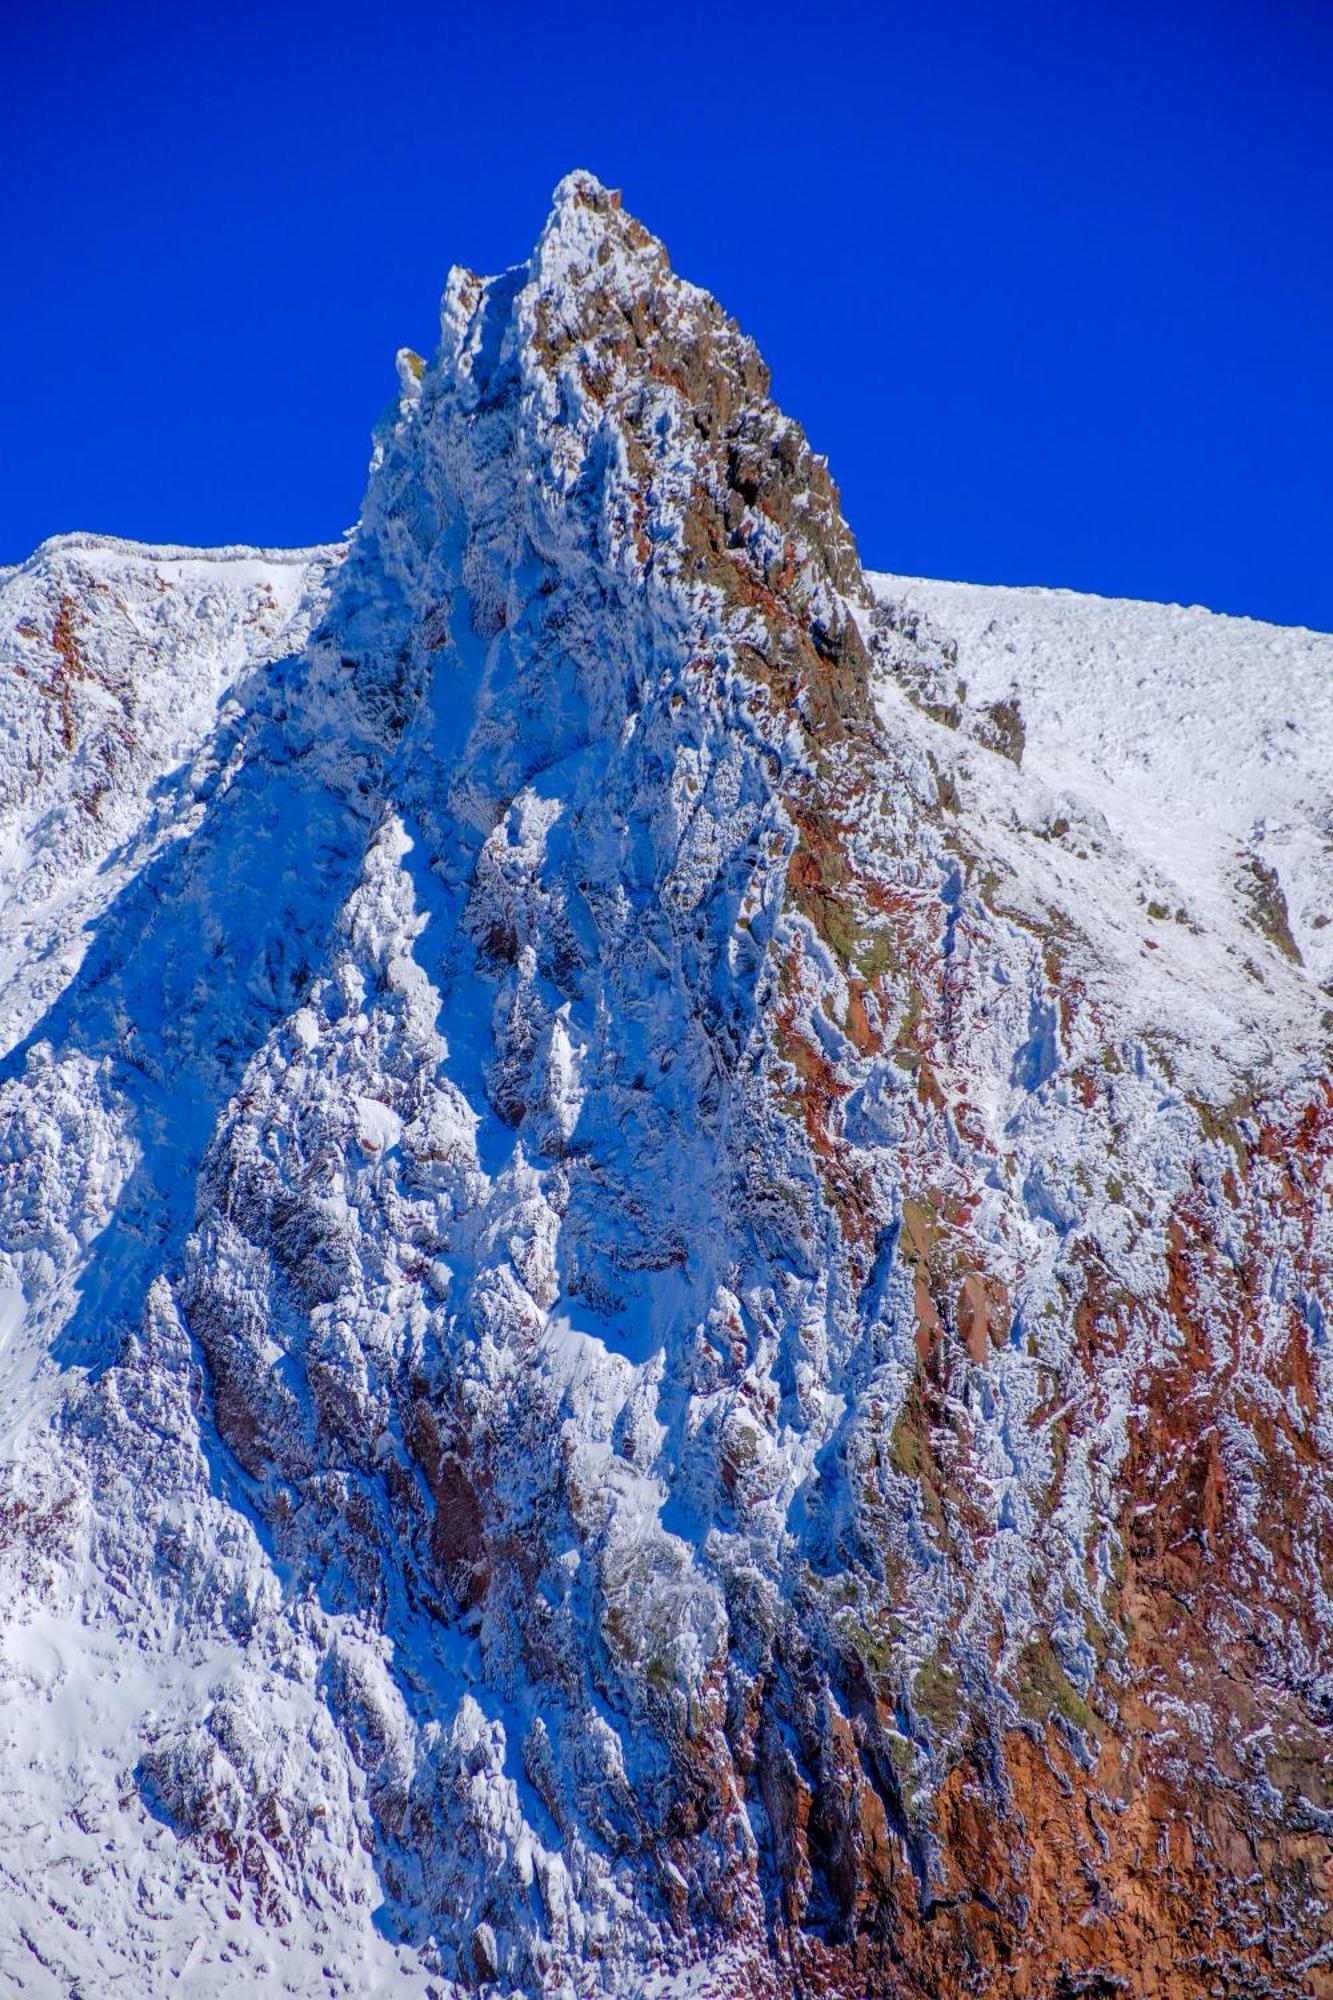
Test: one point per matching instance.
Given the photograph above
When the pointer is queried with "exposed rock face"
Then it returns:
(661, 1350)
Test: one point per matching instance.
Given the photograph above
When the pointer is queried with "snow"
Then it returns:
(378, 1128)
(1159, 769)
(431, 1350)
(106, 716)
(1200, 738)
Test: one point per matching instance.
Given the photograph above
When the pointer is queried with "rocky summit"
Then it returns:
(666, 1311)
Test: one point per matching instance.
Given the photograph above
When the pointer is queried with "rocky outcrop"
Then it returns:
(671, 1372)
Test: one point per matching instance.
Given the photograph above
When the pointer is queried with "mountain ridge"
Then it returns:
(684, 1358)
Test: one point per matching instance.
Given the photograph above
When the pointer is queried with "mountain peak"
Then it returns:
(581, 189)
(589, 234)
(661, 1245)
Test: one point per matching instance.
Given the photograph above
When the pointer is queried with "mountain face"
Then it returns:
(666, 1231)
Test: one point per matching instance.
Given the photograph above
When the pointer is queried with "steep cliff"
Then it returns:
(666, 1282)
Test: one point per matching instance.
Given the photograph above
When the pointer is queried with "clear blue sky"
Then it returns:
(1052, 285)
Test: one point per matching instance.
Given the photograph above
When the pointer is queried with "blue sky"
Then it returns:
(1051, 285)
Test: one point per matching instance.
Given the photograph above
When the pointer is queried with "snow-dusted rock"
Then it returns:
(665, 1227)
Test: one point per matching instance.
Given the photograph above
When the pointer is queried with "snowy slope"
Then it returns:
(665, 1232)
(1206, 742)
(139, 689)
(114, 661)
(1163, 791)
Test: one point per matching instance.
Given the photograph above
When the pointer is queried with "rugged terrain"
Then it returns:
(666, 1231)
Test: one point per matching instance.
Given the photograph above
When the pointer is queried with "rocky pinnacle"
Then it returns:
(667, 1317)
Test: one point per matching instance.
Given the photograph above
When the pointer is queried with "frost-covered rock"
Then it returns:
(665, 1282)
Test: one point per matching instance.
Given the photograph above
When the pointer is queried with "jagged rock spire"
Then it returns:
(655, 1368)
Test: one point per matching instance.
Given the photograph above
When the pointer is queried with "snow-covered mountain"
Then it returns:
(665, 1226)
